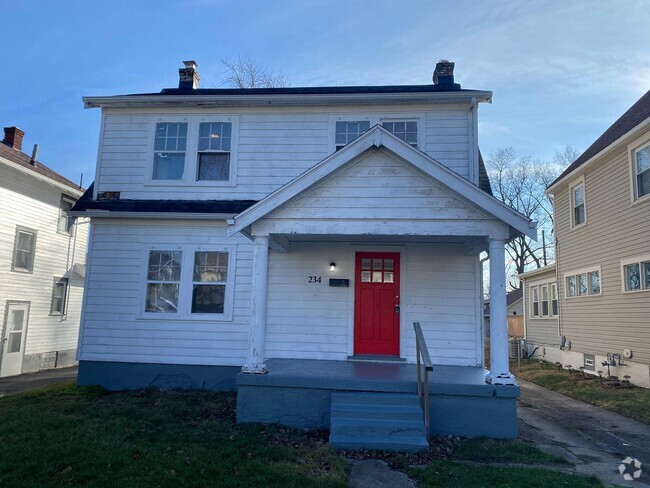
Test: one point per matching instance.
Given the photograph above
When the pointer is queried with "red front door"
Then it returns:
(376, 304)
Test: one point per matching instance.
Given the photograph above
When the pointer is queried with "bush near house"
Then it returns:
(632, 401)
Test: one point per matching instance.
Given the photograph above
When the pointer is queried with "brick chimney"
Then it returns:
(14, 138)
(188, 77)
(443, 75)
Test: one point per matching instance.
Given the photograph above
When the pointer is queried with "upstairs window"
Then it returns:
(24, 250)
(642, 171)
(65, 222)
(59, 292)
(578, 204)
(169, 150)
(406, 130)
(214, 151)
(347, 132)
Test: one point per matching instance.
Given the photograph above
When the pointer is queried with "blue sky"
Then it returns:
(561, 72)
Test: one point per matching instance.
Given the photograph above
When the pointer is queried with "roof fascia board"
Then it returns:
(539, 271)
(282, 99)
(108, 214)
(629, 134)
(377, 137)
(46, 179)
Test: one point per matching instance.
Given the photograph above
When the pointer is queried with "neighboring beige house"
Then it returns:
(541, 311)
(602, 225)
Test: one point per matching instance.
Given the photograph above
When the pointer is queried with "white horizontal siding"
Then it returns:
(27, 202)
(274, 146)
(113, 329)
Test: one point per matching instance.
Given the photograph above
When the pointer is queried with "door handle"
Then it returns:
(397, 308)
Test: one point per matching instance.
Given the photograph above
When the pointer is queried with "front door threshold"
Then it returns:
(371, 358)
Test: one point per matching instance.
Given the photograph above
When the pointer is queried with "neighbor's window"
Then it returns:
(169, 150)
(554, 299)
(642, 171)
(24, 249)
(578, 200)
(65, 222)
(636, 275)
(582, 284)
(209, 281)
(406, 130)
(214, 151)
(536, 302)
(163, 281)
(347, 132)
(545, 300)
(59, 292)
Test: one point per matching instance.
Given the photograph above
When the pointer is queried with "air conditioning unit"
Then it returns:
(516, 348)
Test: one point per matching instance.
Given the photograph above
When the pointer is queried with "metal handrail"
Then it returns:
(421, 351)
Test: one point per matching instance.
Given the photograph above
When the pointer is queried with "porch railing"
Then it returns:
(423, 359)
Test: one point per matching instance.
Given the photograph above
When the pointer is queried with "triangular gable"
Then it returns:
(379, 137)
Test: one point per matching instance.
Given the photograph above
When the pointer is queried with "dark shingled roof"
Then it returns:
(483, 178)
(178, 206)
(24, 161)
(511, 297)
(628, 121)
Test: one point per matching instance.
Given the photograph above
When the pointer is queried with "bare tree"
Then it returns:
(520, 182)
(243, 72)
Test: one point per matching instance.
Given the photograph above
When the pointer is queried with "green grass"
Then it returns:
(493, 450)
(451, 475)
(633, 402)
(67, 436)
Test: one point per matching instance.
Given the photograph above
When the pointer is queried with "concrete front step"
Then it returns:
(368, 420)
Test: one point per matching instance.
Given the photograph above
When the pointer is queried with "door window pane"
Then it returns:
(17, 320)
(376, 263)
(388, 264)
(376, 276)
(14, 342)
(365, 277)
(388, 277)
(365, 263)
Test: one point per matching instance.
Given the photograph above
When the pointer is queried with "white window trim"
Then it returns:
(192, 150)
(575, 184)
(375, 119)
(576, 273)
(25, 230)
(532, 302)
(185, 286)
(69, 200)
(632, 148)
(624, 262)
(56, 280)
(538, 284)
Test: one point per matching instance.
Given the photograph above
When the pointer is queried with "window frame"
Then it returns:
(69, 226)
(191, 161)
(24, 230)
(534, 301)
(576, 184)
(576, 274)
(186, 285)
(374, 119)
(64, 296)
(640, 260)
(539, 285)
(633, 148)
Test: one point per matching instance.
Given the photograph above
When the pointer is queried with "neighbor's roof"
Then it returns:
(636, 114)
(537, 271)
(25, 162)
(511, 297)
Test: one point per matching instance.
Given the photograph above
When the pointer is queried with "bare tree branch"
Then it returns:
(243, 72)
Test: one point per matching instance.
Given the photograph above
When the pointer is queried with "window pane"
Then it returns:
(347, 132)
(407, 131)
(58, 296)
(365, 277)
(168, 166)
(162, 298)
(632, 278)
(554, 306)
(388, 277)
(376, 263)
(14, 342)
(643, 159)
(17, 320)
(583, 284)
(544, 293)
(208, 298)
(365, 263)
(535, 295)
(545, 308)
(554, 291)
(210, 266)
(579, 215)
(22, 260)
(578, 195)
(376, 276)
(646, 272)
(214, 167)
(643, 183)
(388, 264)
(571, 286)
(594, 283)
(535, 309)
(25, 241)
(164, 265)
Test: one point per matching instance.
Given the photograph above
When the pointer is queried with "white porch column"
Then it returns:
(499, 364)
(255, 362)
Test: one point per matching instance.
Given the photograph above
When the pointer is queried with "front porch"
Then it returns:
(300, 393)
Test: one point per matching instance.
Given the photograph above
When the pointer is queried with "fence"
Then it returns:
(515, 325)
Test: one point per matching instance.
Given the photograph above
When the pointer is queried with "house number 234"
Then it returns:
(314, 279)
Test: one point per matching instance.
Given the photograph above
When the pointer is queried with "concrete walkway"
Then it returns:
(596, 440)
(33, 381)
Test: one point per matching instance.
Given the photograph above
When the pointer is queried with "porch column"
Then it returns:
(499, 365)
(255, 362)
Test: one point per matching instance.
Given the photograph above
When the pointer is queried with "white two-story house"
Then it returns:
(42, 262)
(284, 241)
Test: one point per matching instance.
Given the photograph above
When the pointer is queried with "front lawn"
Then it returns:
(69, 435)
(633, 402)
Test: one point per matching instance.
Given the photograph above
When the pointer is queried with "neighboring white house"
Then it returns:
(42, 262)
(263, 229)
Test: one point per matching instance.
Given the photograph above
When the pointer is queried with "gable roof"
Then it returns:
(634, 116)
(377, 137)
(25, 162)
(512, 297)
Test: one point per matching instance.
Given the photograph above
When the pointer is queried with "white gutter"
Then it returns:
(281, 99)
(46, 179)
(574, 173)
(108, 214)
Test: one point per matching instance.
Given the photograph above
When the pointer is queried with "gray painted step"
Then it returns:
(367, 420)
